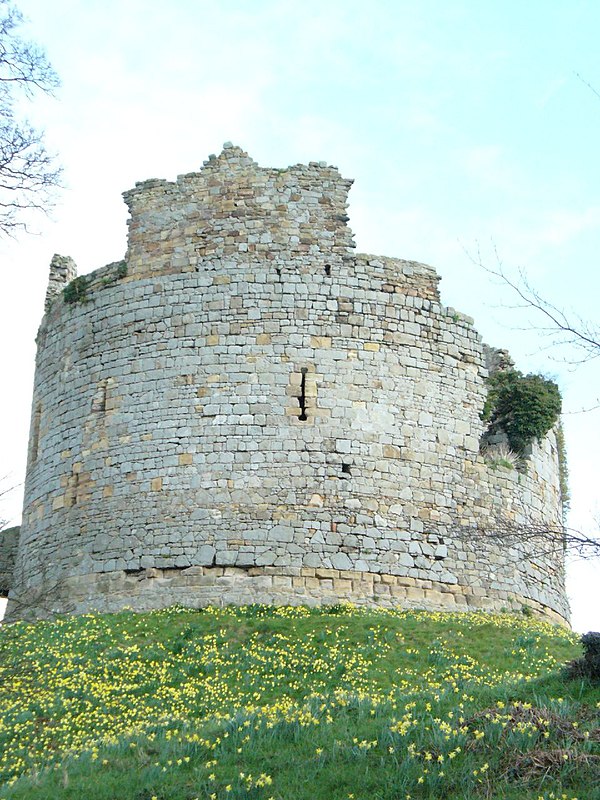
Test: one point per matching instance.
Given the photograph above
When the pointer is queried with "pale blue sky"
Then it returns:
(463, 124)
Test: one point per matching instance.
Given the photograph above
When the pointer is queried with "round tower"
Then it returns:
(246, 410)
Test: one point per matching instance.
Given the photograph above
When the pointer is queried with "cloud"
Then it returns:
(551, 90)
(489, 165)
(562, 226)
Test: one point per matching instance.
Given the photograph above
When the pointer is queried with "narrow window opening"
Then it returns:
(35, 432)
(278, 271)
(73, 490)
(99, 398)
(302, 397)
(327, 269)
(346, 469)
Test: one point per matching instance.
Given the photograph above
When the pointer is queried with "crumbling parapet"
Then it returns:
(235, 209)
(62, 271)
(497, 359)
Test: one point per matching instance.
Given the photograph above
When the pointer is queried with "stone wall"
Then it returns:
(255, 412)
(62, 271)
(9, 540)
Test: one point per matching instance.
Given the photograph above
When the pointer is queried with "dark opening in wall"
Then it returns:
(72, 491)
(327, 269)
(302, 397)
(278, 271)
(346, 470)
(35, 431)
(99, 398)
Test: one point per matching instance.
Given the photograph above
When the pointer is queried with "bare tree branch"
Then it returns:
(563, 328)
(28, 175)
(5, 490)
(541, 539)
(589, 85)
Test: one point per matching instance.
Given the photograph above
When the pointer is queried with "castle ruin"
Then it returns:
(245, 410)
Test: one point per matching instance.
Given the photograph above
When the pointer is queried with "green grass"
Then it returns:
(295, 704)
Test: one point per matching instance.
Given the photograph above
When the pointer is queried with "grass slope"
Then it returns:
(294, 704)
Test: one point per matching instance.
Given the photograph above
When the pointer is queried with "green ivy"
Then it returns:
(119, 272)
(524, 407)
(76, 290)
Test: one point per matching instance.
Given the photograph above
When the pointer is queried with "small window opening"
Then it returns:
(278, 271)
(35, 431)
(99, 398)
(73, 490)
(346, 469)
(302, 397)
(327, 269)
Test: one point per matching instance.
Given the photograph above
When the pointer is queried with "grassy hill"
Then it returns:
(293, 704)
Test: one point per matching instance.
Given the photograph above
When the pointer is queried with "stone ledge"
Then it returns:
(153, 588)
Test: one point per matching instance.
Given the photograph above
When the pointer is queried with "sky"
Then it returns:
(467, 126)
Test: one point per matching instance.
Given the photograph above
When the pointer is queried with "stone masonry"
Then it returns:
(246, 410)
(9, 541)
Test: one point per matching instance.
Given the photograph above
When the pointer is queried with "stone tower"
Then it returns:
(246, 410)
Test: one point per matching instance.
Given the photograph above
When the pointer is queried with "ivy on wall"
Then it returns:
(76, 290)
(524, 407)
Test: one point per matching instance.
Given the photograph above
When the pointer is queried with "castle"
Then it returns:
(245, 410)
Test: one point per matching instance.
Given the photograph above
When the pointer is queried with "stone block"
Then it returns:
(340, 561)
(391, 451)
(320, 341)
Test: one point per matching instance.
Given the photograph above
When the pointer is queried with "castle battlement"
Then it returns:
(246, 410)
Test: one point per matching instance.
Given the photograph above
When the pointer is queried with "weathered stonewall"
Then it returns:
(9, 540)
(246, 410)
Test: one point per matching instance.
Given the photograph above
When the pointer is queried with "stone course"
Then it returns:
(246, 410)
